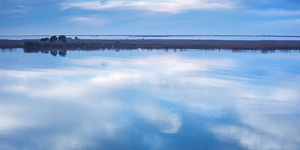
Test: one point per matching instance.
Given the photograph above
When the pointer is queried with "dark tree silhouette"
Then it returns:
(62, 53)
(53, 38)
(62, 38)
(53, 52)
(44, 39)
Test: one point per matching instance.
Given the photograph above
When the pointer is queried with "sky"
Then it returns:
(172, 17)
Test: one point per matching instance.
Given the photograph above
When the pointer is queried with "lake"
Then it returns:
(193, 37)
(150, 99)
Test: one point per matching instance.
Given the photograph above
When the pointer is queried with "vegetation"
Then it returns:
(53, 38)
(44, 39)
(62, 38)
(165, 44)
(235, 45)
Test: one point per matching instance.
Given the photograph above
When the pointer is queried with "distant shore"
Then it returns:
(90, 44)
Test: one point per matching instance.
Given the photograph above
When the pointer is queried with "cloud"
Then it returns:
(118, 79)
(11, 118)
(283, 23)
(86, 91)
(162, 64)
(133, 73)
(259, 131)
(247, 138)
(276, 12)
(165, 120)
(58, 84)
(94, 21)
(19, 9)
(292, 21)
(169, 6)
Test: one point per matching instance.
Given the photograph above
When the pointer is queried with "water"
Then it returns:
(203, 37)
(150, 100)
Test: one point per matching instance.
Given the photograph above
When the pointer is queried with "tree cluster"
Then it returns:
(54, 38)
(44, 39)
(62, 38)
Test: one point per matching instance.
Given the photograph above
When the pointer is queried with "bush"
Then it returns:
(53, 38)
(44, 39)
(62, 38)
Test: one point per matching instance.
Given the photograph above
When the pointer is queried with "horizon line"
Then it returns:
(159, 35)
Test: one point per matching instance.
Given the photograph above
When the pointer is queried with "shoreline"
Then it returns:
(127, 44)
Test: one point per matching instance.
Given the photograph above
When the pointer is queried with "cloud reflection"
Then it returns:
(104, 99)
(166, 121)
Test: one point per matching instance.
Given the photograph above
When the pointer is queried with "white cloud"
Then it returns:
(58, 84)
(19, 9)
(169, 6)
(134, 72)
(11, 118)
(197, 88)
(168, 64)
(276, 12)
(165, 120)
(282, 24)
(260, 131)
(118, 79)
(94, 21)
(247, 138)
(292, 21)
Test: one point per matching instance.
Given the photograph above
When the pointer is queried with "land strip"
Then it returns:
(85, 44)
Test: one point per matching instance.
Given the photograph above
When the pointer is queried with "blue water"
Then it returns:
(204, 37)
(150, 100)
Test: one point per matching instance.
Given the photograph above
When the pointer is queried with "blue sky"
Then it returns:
(280, 17)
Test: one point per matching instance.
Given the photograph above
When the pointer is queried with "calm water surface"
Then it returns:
(150, 100)
(202, 37)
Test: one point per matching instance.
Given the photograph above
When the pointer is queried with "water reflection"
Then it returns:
(63, 53)
(150, 100)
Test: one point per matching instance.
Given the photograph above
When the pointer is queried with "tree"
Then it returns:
(62, 53)
(53, 38)
(53, 52)
(44, 39)
(62, 38)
